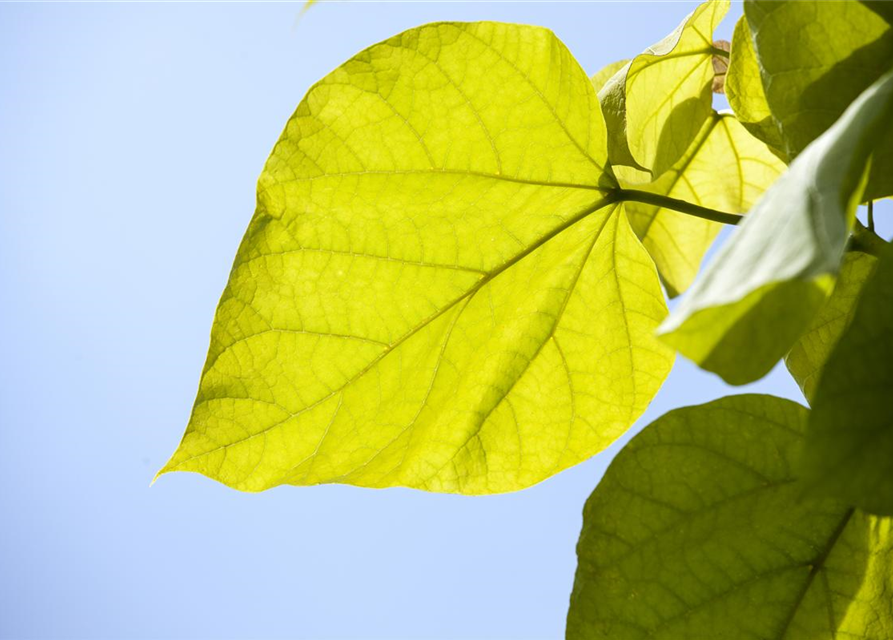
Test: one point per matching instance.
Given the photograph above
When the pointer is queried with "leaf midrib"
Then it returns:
(459, 172)
(817, 566)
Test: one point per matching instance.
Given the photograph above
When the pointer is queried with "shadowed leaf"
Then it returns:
(815, 58)
(849, 445)
(807, 358)
(606, 73)
(883, 8)
(754, 300)
(697, 531)
(744, 88)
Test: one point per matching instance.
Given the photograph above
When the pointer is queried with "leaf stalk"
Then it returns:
(635, 195)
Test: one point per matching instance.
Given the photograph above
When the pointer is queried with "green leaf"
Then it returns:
(726, 169)
(883, 8)
(744, 89)
(807, 358)
(697, 531)
(816, 57)
(435, 291)
(656, 106)
(606, 73)
(759, 294)
(849, 445)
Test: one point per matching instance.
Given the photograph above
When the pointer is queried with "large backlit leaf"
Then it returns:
(744, 89)
(726, 169)
(698, 532)
(762, 289)
(433, 292)
(816, 57)
(849, 445)
(807, 358)
(656, 105)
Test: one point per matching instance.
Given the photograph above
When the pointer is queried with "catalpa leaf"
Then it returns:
(435, 290)
(849, 445)
(815, 58)
(807, 358)
(744, 89)
(655, 106)
(762, 289)
(725, 168)
(697, 531)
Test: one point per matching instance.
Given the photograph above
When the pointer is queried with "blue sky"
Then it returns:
(131, 137)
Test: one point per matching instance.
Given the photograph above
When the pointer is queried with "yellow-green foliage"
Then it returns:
(452, 282)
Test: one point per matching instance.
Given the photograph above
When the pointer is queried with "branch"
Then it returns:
(634, 195)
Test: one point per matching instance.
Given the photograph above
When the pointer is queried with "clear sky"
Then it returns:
(131, 137)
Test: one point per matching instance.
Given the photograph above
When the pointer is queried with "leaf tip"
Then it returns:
(164, 470)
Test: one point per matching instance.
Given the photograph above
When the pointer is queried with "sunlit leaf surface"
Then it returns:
(725, 168)
(657, 104)
(435, 291)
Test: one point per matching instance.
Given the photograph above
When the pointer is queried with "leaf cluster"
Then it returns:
(456, 280)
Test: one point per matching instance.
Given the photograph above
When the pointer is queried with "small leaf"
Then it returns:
(697, 532)
(606, 73)
(725, 168)
(763, 288)
(435, 291)
(744, 88)
(815, 58)
(849, 444)
(807, 358)
(656, 105)
(720, 65)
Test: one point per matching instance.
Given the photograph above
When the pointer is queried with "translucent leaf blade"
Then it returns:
(657, 104)
(434, 280)
(726, 169)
